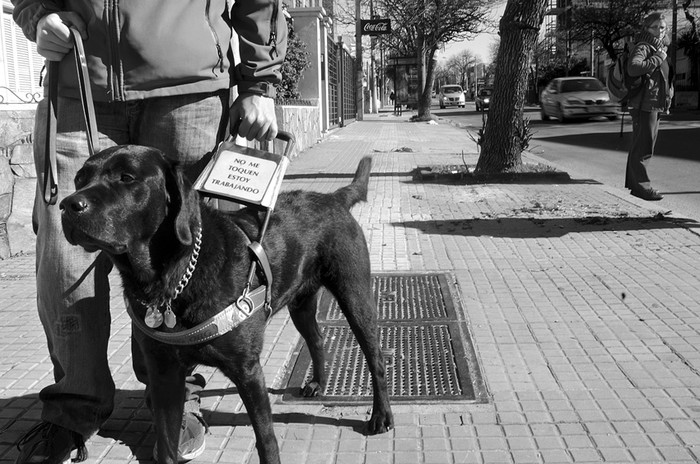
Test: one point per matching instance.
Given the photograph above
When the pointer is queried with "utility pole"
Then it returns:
(674, 33)
(359, 92)
(372, 77)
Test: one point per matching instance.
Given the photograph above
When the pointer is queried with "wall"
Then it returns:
(310, 25)
(303, 122)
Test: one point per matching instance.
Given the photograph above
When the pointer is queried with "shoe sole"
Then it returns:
(194, 454)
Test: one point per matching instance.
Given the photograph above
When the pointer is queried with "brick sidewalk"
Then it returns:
(582, 307)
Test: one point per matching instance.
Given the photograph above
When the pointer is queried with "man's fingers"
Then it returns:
(263, 134)
(54, 37)
(254, 116)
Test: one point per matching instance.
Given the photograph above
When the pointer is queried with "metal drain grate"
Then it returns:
(403, 297)
(425, 354)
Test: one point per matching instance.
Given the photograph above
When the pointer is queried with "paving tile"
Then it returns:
(574, 371)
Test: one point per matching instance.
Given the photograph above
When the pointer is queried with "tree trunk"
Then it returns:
(425, 99)
(505, 131)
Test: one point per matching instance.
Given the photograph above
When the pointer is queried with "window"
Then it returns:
(20, 64)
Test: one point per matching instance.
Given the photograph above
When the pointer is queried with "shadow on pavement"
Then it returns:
(671, 143)
(542, 228)
(223, 419)
(602, 140)
(510, 179)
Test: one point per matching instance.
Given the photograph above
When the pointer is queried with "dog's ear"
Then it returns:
(183, 201)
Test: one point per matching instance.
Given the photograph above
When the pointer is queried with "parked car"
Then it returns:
(483, 99)
(567, 98)
(452, 95)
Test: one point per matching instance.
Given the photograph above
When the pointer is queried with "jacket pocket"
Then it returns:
(217, 43)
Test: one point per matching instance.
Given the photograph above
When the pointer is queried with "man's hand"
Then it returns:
(661, 53)
(254, 117)
(53, 35)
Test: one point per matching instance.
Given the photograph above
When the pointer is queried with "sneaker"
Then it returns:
(192, 441)
(49, 443)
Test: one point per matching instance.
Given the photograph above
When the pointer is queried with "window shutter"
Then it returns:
(23, 63)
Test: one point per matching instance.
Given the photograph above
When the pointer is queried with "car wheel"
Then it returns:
(612, 118)
(545, 116)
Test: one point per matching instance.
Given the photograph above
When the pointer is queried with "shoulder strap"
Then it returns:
(50, 180)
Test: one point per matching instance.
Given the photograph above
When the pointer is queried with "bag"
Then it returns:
(621, 86)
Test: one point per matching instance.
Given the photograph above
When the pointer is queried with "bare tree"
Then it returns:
(505, 134)
(689, 42)
(460, 64)
(611, 21)
(421, 27)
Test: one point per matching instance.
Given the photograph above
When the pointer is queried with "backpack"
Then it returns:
(621, 86)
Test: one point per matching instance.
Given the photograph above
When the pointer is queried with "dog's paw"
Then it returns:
(380, 423)
(311, 389)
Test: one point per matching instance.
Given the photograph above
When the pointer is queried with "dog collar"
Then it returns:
(226, 320)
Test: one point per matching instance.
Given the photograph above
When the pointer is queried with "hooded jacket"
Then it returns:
(657, 75)
(139, 49)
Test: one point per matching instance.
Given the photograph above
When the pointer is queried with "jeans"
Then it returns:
(645, 127)
(72, 284)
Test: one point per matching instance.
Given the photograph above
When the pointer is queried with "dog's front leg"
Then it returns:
(249, 379)
(167, 392)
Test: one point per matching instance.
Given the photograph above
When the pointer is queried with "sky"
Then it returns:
(481, 44)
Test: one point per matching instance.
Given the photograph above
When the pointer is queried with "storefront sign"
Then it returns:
(375, 26)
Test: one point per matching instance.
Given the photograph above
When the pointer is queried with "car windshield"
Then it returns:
(485, 93)
(581, 85)
(451, 89)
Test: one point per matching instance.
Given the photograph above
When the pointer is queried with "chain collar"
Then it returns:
(154, 317)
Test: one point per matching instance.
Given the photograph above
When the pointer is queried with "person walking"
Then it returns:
(161, 74)
(648, 62)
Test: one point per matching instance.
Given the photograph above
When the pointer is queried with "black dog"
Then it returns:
(138, 208)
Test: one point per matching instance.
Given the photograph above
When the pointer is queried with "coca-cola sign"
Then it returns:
(375, 26)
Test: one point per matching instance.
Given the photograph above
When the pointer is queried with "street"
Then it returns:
(594, 150)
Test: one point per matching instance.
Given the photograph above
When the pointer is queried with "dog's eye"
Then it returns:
(127, 178)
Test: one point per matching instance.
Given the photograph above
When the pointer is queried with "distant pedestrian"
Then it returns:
(397, 105)
(648, 60)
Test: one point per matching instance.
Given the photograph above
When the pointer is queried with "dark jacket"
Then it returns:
(656, 79)
(150, 48)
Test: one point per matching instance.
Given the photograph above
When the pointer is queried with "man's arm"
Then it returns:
(262, 31)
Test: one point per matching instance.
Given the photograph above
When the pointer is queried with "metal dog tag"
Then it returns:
(153, 318)
(169, 318)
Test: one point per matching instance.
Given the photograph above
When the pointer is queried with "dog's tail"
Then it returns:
(357, 190)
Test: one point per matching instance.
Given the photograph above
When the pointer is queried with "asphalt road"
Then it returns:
(595, 150)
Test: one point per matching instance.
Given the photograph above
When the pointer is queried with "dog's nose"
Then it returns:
(75, 204)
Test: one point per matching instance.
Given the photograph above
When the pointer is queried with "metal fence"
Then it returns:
(341, 85)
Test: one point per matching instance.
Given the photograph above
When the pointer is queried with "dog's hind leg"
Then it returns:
(248, 376)
(353, 291)
(303, 313)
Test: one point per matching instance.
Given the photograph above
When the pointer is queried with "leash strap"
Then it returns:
(50, 181)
